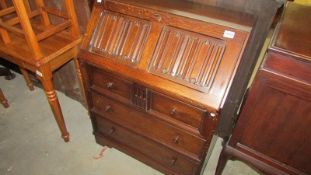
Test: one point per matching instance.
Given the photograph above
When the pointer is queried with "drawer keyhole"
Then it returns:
(107, 108)
(109, 85)
(173, 112)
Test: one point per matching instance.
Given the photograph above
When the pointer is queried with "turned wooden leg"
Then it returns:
(3, 100)
(223, 158)
(54, 103)
(27, 79)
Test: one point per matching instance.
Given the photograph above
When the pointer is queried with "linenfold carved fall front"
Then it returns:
(187, 57)
(120, 36)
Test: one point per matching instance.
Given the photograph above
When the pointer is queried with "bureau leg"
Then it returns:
(3, 100)
(54, 103)
(223, 158)
(27, 79)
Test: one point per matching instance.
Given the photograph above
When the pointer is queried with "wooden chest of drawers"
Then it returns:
(156, 76)
(273, 131)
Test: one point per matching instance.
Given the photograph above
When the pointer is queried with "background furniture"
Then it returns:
(156, 76)
(273, 131)
(32, 42)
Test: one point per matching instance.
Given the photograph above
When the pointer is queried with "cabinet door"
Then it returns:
(274, 124)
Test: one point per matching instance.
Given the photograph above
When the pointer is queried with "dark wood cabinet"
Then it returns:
(273, 131)
(156, 75)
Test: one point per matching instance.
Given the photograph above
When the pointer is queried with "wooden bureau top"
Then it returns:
(229, 18)
(182, 49)
(293, 34)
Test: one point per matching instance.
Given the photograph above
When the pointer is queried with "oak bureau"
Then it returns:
(156, 75)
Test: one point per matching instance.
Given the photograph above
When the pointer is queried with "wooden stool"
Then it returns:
(31, 41)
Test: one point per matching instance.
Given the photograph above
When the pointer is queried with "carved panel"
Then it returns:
(187, 58)
(140, 96)
(120, 37)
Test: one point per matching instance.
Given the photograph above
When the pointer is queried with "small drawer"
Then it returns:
(109, 83)
(163, 105)
(124, 138)
(150, 126)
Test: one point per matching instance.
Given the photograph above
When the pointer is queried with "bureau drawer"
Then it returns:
(109, 83)
(149, 126)
(164, 105)
(124, 138)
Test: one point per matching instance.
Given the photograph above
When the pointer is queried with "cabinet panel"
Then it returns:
(186, 57)
(283, 107)
(120, 37)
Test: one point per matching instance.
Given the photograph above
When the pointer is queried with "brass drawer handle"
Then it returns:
(173, 161)
(111, 131)
(107, 108)
(173, 112)
(109, 85)
(176, 140)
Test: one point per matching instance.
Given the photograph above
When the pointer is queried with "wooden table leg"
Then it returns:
(3, 100)
(27, 79)
(48, 87)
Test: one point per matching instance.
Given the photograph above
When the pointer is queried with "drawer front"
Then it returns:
(156, 152)
(149, 126)
(110, 83)
(164, 105)
(288, 66)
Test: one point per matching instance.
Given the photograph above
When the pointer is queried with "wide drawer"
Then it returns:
(109, 83)
(150, 126)
(164, 105)
(288, 66)
(158, 153)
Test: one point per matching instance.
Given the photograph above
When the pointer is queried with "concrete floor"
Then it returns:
(30, 142)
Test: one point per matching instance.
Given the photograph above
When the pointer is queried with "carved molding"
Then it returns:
(121, 37)
(186, 57)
